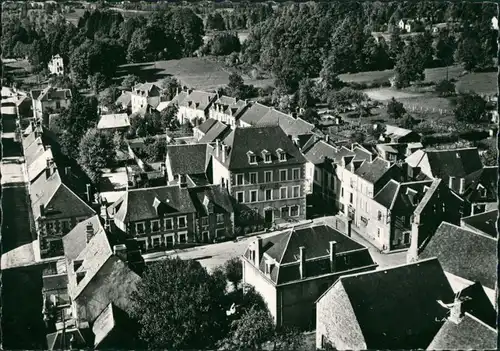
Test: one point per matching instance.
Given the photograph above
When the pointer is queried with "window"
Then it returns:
(220, 218)
(342, 192)
(240, 196)
(49, 227)
(296, 174)
(284, 212)
(347, 259)
(169, 225)
(283, 173)
(283, 193)
(169, 240)
(350, 197)
(269, 176)
(253, 178)
(156, 241)
(378, 232)
(269, 194)
(379, 215)
(65, 225)
(58, 104)
(220, 233)
(316, 176)
(182, 238)
(155, 226)
(294, 211)
(140, 228)
(282, 157)
(239, 179)
(296, 191)
(205, 236)
(406, 238)
(204, 220)
(181, 222)
(266, 156)
(253, 196)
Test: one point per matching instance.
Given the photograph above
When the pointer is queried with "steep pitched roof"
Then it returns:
(464, 253)
(316, 154)
(374, 170)
(111, 319)
(145, 89)
(395, 133)
(469, 334)
(189, 158)
(179, 98)
(125, 99)
(290, 125)
(254, 113)
(483, 222)
(117, 120)
(137, 204)
(51, 93)
(199, 100)
(205, 126)
(383, 300)
(215, 194)
(387, 194)
(256, 140)
(485, 178)
(218, 131)
(410, 194)
(476, 302)
(76, 240)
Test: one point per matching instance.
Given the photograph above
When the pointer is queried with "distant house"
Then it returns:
(211, 130)
(386, 309)
(494, 23)
(227, 110)
(190, 161)
(49, 98)
(56, 65)
(118, 122)
(483, 223)
(293, 268)
(394, 134)
(24, 106)
(145, 97)
(194, 108)
(481, 189)
(124, 101)
(406, 24)
(394, 152)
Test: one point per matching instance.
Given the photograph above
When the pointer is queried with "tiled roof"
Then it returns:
(469, 334)
(199, 100)
(397, 308)
(76, 240)
(394, 132)
(257, 139)
(284, 248)
(215, 194)
(483, 222)
(189, 158)
(254, 113)
(464, 253)
(205, 126)
(218, 131)
(373, 171)
(118, 120)
(125, 99)
(137, 204)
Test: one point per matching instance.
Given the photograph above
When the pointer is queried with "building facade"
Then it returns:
(145, 96)
(194, 108)
(49, 99)
(56, 65)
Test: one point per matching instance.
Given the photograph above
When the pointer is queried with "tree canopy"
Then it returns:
(96, 151)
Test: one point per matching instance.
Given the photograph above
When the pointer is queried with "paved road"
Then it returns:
(213, 255)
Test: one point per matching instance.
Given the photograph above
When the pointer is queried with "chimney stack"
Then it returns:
(88, 193)
(223, 153)
(258, 250)
(349, 227)
(333, 251)
(42, 210)
(462, 186)
(67, 171)
(456, 311)
(217, 148)
(89, 231)
(451, 182)
(302, 259)
(182, 181)
(327, 138)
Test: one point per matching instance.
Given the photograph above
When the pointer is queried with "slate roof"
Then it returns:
(378, 298)
(395, 133)
(117, 120)
(469, 334)
(387, 194)
(217, 195)
(179, 98)
(395, 195)
(125, 99)
(478, 304)
(257, 139)
(109, 320)
(317, 153)
(205, 126)
(75, 241)
(199, 100)
(231, 106)
(51, 93)
(283, 248)
(145, 89)
(487, 177)
(189, 158)
(137, 204)
(254, 113)
(464, 253)
(218, 131)
(373, 171)
(483, 222)
(290, 125)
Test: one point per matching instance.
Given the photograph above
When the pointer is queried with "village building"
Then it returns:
(264, 171)
(228, 110)
(293, 268)
(49, 98)
(211, 130)
(145, 97)
(117, 122)
(191, 162)
(483, 223)
(56, 65)
(370, 310)
(194, 108)
(481, 190)
(124, 101)
(393, 134)
(394, 152)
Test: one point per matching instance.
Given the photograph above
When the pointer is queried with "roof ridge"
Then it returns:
(480, 321)
(289, 232)
(395, 196)
(469, 230)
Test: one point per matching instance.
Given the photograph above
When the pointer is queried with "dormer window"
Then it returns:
(482, 190)
(252, 159)
(281, 155)
(266, 156)
(269, 267)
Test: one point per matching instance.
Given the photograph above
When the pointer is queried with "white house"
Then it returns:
(144, 96)
(494, 23)
(56, 65)
(49, 98)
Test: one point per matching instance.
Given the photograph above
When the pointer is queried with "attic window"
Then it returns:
(281, 155)
(482, 190)
(269, 267)
(252, 159)
(266, 156)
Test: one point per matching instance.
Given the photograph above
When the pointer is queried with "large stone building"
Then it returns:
(145, 97)
(56, 65)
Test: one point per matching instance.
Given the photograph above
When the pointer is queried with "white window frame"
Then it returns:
(204, 221)
(171, 220)
(159, 226)
(265, 176)
(165, 236)
(153, 237)
(137, 227)
(286, 192)
(265, 194)
(145, 240)
(220, 218)
(217, 231)
(298, 191)
(179, 220)
(256, 192)
(256, 178)
(281, 155)
(207, 233)
(293, 173)
(242, 198)
(285, 172)
(265, 155)
(287, 211)
(290, 211)
(179, 237)
(236, 177)
(250, 157)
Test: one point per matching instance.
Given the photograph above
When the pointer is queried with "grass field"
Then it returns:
(73, 17)
(198, 73)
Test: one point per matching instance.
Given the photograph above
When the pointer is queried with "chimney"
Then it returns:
(89, 231)
(217, 148)
(462, 186)
(120, 251)
(48, 169)
(451, 182)
(89, 194)
(302, 259)
(182, 181)
(42, 210)
(258, 250)
(333, 251)
(327, 138)
(223, 153)
(456, 311)
(349, 226)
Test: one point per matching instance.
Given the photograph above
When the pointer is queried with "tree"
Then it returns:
(424, 49)
(170, 87)
(357, 137)
(468, 52)
(234, 271)
(397, 45)
(395, 109)
(168, 116)
(97, 82)
(305, 93)
(224, 43)
(108, 96)
(236, 86)
(408, 122)
(377, 130)
(311, 115)
(288, 339)
(470, 107)
(130, 81)
(155, 149)
(445, 88)
(445, 48)
(330, 74)
(178, 305)
(215, 21)
(96, 151)
(409, 66)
